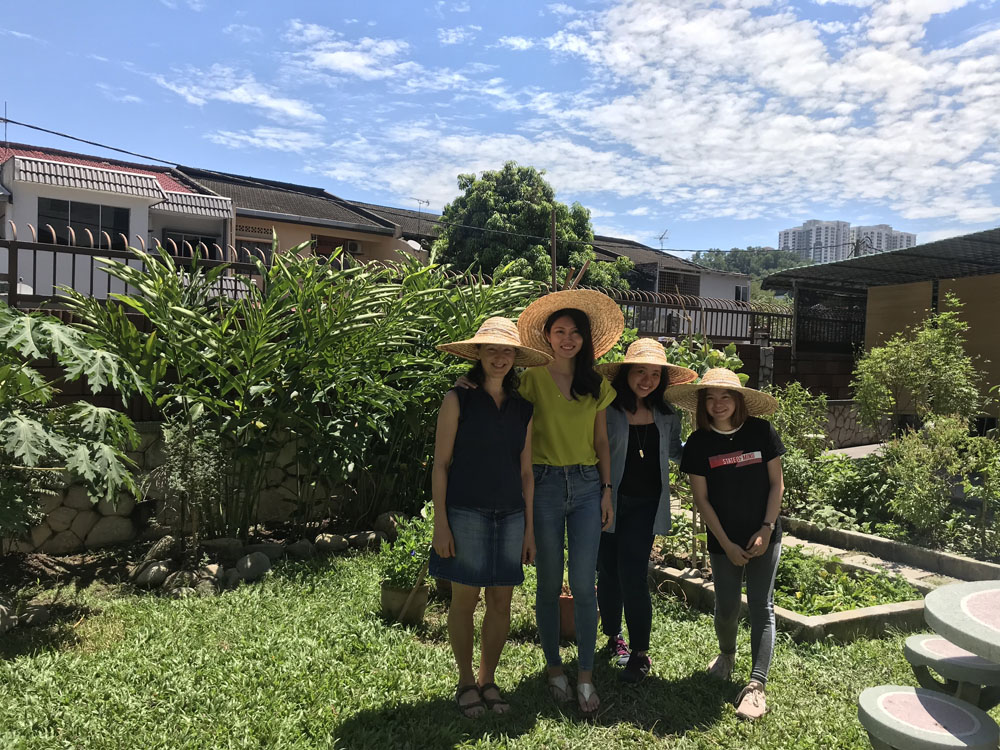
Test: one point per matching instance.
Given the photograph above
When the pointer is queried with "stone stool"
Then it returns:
(968, 677)
(908, 718)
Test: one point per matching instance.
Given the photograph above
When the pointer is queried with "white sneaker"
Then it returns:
(750, 703)
(722, 666)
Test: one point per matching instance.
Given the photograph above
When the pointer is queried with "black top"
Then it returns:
(485, 471)
(642, 473)
(735, 469)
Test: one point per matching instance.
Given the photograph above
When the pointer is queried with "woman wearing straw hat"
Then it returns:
(734, 462)
(572, 472)
(644, 433)
(483, 487)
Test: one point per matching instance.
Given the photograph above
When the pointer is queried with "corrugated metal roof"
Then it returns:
(968, 255)
(81, 177)
(216, 206)
(420, 224)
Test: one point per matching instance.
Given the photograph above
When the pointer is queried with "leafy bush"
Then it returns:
(811, 585)
(40, 439)
(402, 561)
(697, 353)
(801, 419)
(924, 370)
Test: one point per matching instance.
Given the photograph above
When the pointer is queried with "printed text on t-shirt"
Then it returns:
(738, 458)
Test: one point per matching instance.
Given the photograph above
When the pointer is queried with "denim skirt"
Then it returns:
(487, 548)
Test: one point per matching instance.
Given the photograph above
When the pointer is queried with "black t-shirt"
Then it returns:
(485, 469)
(641, 477)
(735, 469)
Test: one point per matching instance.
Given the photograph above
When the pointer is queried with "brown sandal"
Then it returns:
(493, 703)
(469, 710)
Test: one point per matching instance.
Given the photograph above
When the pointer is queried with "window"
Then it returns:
(246, 248)
(742, 294)
(82, 216)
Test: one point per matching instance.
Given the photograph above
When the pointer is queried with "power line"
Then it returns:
(83, 140)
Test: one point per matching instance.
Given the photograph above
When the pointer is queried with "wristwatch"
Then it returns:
(770, 525)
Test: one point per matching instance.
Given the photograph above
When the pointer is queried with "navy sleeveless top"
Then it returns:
(485, 471)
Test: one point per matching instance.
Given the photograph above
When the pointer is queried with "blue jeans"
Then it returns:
(567, 507)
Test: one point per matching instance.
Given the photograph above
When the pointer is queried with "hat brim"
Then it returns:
(524, 356)
(685, 396)
(606, 320)
(675, 373)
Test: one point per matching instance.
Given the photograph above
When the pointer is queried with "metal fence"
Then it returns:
(32, 272)
(656, 314)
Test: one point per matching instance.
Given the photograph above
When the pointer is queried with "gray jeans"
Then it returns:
(760, 572)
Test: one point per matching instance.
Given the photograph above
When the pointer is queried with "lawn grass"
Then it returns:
(302, 660)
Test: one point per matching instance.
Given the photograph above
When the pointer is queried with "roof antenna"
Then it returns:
(420, 202)
(662, 237)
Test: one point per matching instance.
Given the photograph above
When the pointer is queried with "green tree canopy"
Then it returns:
(756, 262)
(501, 224)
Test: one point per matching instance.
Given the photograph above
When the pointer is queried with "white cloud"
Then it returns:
(275, 139)
(19, 35)
(940, 234)
(458, 35)
(562, 9)
(515, 42)
(220, 83)
(243, 32)
(639, 211)
(117, 94)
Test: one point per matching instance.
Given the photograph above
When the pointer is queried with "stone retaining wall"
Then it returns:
(843, 426)
(73, 522)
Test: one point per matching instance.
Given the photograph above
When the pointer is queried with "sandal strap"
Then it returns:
(463, 689)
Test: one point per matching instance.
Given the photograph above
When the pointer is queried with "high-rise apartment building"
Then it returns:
(827, 241)
(818, 241)
(880, 238)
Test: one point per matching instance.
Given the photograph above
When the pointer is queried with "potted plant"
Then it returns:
(404, 567)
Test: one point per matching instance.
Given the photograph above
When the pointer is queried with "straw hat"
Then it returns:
(648, 352)
(499, 332)
(606, 319)
(686, 396)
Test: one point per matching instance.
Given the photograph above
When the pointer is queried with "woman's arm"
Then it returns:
(528, 492)
(444, 447)
(699, 488)
(604, 467)
(759, 541)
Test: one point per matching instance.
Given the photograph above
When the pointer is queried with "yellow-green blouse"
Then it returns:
(562, 432)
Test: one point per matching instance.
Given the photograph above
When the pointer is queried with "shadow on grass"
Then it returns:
(57, 634)
(660, 707)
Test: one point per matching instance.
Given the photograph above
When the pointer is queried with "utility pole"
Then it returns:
(555, 281)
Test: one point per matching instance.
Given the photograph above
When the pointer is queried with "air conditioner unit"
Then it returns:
(354, 248)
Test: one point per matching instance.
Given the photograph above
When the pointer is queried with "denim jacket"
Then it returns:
(669, 427)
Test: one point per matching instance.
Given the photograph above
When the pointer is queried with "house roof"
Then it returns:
(968, 255)
(641, 255)
(283, 201)
(418, 224)
(83, 177)
(197, 204)
(165, 176)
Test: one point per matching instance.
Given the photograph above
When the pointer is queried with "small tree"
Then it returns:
(923, 370)
(502, 223)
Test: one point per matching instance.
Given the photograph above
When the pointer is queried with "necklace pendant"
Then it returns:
(641, 454)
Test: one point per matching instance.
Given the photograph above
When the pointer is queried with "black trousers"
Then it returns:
(622, 570)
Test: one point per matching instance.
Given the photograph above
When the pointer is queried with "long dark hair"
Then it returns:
(704, 421)
(586, 380)
(478, 376)
(626, 400)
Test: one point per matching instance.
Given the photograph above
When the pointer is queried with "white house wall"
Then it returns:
(36, 269)
(722, 286)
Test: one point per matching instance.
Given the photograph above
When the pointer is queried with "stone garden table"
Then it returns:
(968, 615)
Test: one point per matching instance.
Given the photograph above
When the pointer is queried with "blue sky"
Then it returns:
(720, 122)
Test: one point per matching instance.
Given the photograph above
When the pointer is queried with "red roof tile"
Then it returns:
(166, 180)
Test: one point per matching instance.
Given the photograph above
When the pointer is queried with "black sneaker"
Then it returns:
(617, 649)
(637, 668)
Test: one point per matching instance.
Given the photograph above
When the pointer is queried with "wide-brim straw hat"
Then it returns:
(648, 352)
(499, 332)
(686, 396)
(606, 320)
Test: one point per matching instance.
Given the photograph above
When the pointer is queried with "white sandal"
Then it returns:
(584, 692)
(559, 688)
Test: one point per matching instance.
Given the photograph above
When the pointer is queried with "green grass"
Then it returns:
(302, 660)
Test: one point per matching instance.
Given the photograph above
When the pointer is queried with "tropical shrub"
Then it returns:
(801, 418)
(40, 439)
(338, 361)
(697, 353)
(924, 370)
